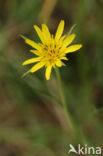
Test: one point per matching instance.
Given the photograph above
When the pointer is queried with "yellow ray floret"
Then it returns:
(52, 49)
(48, 72)
(59, 30)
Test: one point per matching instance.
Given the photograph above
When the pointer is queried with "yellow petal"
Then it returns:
(69, 40)
(39, 32)
(46, 31)
(38, 53)
(61, 39)
(37, 67)
(33, 44)
(59, 63)
(64, 58)
(73, 48)
(59, 30)
(48, 72)
(32, 60)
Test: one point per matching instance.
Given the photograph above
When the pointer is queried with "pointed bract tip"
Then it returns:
(26, 73)
(23, 37)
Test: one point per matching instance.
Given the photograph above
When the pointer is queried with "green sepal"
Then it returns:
(23, 37)
(71, 29)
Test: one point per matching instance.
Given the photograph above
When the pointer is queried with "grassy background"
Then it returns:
(32, 122)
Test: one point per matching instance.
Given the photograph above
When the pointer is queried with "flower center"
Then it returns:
(52, 51)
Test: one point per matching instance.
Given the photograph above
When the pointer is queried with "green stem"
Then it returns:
(70, 122)
(76, 129)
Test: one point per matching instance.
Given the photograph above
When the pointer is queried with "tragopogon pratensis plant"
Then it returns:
(50, 53)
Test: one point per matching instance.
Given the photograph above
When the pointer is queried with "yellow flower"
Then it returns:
(52, 50)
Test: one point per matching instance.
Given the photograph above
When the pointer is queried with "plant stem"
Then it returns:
(70, 121)
(76, 129)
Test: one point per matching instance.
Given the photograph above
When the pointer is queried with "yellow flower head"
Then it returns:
(52, 50)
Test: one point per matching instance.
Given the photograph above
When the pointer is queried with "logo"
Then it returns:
(84, 150)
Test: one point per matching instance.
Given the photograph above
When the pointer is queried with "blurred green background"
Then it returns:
(32, 122)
